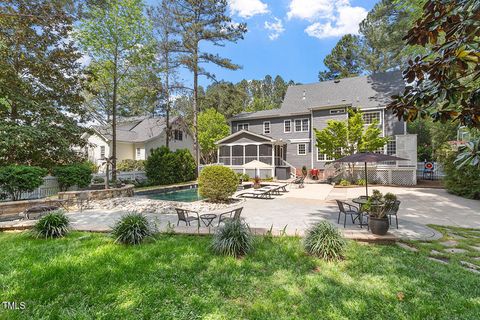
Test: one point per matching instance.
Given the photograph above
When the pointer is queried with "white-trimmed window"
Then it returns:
(139, 152)
(178, 135)
(102, 152)
(323, 157)
(242, 126)
(301, 125)
(392, 147)
(337, 111)
(370, 117)
(301, 149)
(266, 127)
(287, 126)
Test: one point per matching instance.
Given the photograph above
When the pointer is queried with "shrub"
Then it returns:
(98, 180)
(344, 182)
(131, 165)
(79, 174)
(53, 225)
(166, 167)
(93, 166)
(132, 228)
(217, 183)
(243, 177)
(233, 239)
(325, 241)
(17, 179)
(462, 182)
(361, 182)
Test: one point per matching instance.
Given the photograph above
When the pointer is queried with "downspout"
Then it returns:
(311, 139)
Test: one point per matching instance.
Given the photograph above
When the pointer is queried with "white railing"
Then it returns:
(240, 160)
(126, 175)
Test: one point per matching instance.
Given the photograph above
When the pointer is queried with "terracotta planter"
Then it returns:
(378, 226)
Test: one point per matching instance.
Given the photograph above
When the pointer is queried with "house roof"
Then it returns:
(135, 129)
(258, 135)
(365, 92)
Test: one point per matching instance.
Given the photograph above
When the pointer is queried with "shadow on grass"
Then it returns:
(177, 277)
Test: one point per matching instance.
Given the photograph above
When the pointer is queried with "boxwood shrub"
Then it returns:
(15, 179)
(79, 174)
(217, 183)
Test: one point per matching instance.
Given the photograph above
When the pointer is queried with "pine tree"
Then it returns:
(201, 21)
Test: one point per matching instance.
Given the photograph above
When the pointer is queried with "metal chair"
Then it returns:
(184, 215)
(230, 215)
(352, 211)
(83, 200)
(392, 210)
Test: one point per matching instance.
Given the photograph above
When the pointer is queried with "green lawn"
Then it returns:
(86, 276)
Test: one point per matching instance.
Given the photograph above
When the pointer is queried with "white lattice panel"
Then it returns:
(395, 176)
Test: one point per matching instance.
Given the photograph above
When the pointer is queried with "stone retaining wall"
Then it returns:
(126, 191)
(11, 209)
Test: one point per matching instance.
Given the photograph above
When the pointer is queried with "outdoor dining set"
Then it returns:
(361, 212)
(189, 216)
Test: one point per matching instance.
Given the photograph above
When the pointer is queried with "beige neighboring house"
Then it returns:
(136, 137)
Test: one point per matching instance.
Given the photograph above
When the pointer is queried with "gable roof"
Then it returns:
(245, 132)
(135, 129)
(365, 92)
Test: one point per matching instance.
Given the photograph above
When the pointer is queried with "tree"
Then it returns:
(345, 59)
(444, 84)
(224, 97)
(41, 82)
(212, 126)
(279, 90)
(344, 138)
(201, 21)
(167, 46)
(117, 37)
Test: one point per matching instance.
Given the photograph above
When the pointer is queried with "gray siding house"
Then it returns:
(282, 141)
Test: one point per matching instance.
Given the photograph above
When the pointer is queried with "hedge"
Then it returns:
(15, 179)
(464, 182)
(79, 175)
(166, 167)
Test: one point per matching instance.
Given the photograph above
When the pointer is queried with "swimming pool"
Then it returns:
(187, 195)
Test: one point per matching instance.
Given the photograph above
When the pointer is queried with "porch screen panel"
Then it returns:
(237, 155)
(224, 155)
(250, 153)
(266, 153)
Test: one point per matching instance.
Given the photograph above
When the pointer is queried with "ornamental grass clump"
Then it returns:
(234, 239)
(325, 241)
(132, 229)
(53, 225)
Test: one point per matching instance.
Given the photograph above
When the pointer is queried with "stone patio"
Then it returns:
(296, 210)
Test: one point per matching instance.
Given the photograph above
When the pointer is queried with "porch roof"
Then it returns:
(256, 138)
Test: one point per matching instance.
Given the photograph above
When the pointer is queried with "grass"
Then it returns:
(87, 276)
(467, 239)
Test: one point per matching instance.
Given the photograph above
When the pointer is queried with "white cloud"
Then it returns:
(330, 18)
(275, 28)
(346, 22)
(247, 8)
(311, 9)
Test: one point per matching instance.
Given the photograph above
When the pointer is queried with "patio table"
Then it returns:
(208, 218)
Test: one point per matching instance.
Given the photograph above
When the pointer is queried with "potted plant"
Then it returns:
(376, 207)
(256, 182)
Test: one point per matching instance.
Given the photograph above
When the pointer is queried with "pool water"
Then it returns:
(188, 195)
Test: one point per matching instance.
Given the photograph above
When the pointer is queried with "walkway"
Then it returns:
(298, 209)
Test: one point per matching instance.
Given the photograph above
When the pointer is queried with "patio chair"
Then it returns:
(83, 200)
(352, 211)
(258, 193)
(392, 210)
(230, 215)
(185, 215)
(299, 180)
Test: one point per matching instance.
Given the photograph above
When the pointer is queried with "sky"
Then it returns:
(286, 37)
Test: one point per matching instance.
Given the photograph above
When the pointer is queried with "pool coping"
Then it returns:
(166, 189)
